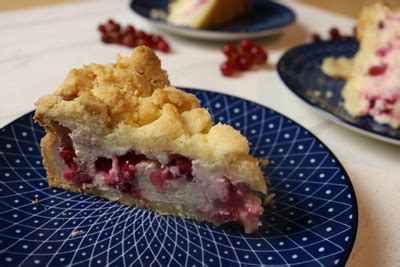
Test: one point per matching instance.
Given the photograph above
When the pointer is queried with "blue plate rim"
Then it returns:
(329, 115)
(216, 32)
(354, 226)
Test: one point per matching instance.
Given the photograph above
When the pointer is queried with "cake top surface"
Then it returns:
(131, 104)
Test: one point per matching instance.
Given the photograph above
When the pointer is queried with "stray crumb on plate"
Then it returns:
(339, 68)
(270, 199)
(77, 233)
(35, 201)
(328, 94)
(264, 162)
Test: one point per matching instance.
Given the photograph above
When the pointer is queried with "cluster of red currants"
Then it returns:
(334, 35)
(242, 57)
(113, 33)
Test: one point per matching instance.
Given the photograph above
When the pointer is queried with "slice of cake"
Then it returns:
(121, 132)
(202, 14)
(373, 86)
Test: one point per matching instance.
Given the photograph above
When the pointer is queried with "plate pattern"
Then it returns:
(313, 221)
(300, 70)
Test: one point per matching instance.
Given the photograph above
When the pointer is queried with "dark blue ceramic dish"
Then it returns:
(313, 222)
(300, 70)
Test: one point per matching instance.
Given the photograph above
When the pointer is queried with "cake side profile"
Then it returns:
(373, 85)
(121, 132)
(202, 14)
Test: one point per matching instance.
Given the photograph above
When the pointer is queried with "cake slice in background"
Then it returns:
(121, 132)
(202, 14)
(373, 86)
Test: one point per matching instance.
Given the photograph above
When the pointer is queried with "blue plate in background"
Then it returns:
(313, 222)
(265, 18)
(300, 70)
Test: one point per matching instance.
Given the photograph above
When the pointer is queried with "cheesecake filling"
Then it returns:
(379, 87)
(384, 108)
(204, 190)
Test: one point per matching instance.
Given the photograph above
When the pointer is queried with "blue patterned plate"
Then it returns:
(300, 70)
(265, 18)
(313, 222)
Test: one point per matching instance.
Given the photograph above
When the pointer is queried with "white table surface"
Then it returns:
(39, 46)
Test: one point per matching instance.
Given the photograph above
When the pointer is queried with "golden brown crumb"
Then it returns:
(269, 200)
(35, 201)
(77, 233)
(264, 162)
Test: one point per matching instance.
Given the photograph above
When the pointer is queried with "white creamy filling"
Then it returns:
(198, 196)
(206, 187)
(384, 49)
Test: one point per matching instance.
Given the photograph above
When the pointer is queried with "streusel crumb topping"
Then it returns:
(131, 104)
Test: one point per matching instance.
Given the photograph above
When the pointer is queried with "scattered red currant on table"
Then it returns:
(113, 33)
(334, 35)
(242, 57)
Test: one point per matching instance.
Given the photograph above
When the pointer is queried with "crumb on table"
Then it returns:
(35, 201)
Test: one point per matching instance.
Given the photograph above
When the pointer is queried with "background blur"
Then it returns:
(345, 7)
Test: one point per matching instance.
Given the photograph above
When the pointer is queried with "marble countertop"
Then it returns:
(39, 46)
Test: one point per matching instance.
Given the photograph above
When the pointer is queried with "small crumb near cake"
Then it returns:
(77, 233)
(264, 162)
(269, 200)
(35, 201)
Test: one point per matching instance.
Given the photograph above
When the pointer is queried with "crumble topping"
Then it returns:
(130, 105)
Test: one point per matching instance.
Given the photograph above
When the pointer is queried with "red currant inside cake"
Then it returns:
(121, 132)
(373, 86)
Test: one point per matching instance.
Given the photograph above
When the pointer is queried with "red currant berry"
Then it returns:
(119, 39)
(244, 63)
(115, 27)
(156, 38)
(246, 45)
(229, 50)
(129, 29)
(141, 34)
(129, 41)
(102, 28)
(316, 38)
(258, 54)
(377, 70)
(111, 21)
(107, 39)
(334, 34)
(146, 41)
(163, 46)
(228, 68)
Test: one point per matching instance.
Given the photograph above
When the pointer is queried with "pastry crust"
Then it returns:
(131, 104)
